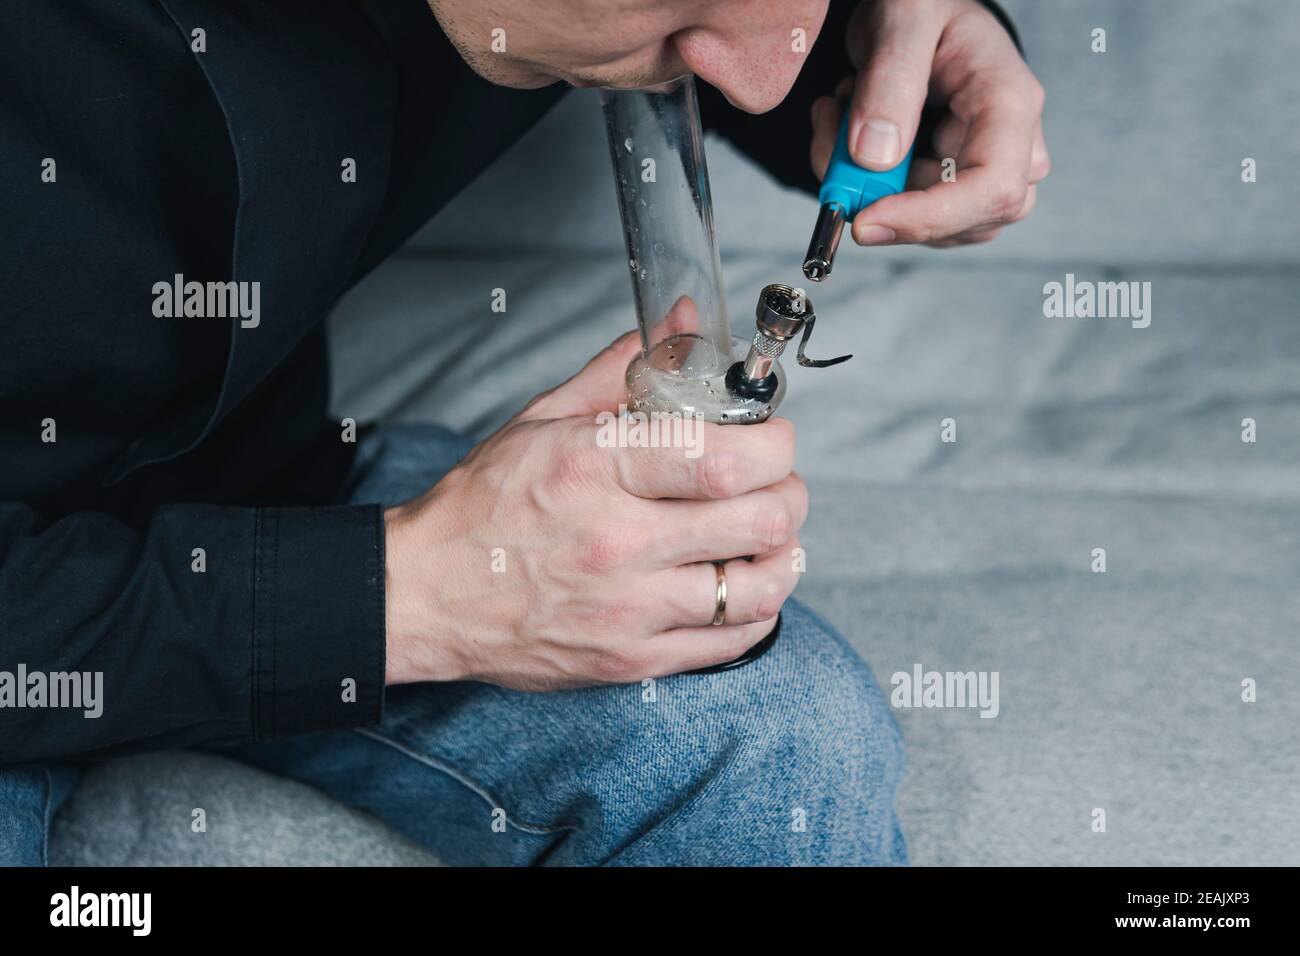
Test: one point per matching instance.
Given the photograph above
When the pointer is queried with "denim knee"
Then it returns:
(798, 759)
(816, 707)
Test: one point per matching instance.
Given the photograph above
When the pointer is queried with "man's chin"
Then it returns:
(516, 78)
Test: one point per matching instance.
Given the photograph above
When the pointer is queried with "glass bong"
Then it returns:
(690, 363)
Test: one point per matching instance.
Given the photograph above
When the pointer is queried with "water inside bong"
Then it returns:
(686, 374)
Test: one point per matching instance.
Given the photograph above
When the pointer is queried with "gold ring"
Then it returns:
(720, 612)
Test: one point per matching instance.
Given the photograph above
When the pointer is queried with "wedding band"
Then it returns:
(720, 612)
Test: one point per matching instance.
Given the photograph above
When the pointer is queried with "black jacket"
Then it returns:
(176, 434)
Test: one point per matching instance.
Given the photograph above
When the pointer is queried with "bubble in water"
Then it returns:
(671, 379)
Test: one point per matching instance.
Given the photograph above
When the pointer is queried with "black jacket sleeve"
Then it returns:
(767, 138)
(212, 623)
(156, 589)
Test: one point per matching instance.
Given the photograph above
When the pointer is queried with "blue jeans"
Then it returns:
(792, 759)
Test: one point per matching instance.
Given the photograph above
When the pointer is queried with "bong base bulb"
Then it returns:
(681, 375)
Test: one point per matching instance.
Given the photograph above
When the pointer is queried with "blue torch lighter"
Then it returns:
(846, 190)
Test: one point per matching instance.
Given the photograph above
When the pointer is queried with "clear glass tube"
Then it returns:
(656, 145)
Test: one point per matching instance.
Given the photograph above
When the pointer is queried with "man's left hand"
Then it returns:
(954, 52)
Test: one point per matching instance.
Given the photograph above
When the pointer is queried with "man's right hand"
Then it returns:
(607, 575)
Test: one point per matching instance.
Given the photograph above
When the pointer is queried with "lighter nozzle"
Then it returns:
(825, 240)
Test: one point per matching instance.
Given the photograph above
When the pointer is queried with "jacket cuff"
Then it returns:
(318, 619)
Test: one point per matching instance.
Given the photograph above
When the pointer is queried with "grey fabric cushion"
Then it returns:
(140, 811)
(1119, 691)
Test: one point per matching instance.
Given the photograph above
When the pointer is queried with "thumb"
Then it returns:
(891, 88)
(598, 386)
(601, 385)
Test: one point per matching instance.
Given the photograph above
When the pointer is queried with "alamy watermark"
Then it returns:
(75, 690)
(75, 908)
(1084, 299)
(209, 300)
(637, 429)
(922, 688)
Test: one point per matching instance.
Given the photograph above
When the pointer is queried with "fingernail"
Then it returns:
(873, 235)
(878, 143)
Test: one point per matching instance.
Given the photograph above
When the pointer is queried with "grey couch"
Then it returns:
(1119, 691)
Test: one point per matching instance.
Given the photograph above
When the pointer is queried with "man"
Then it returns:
(179, 516)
